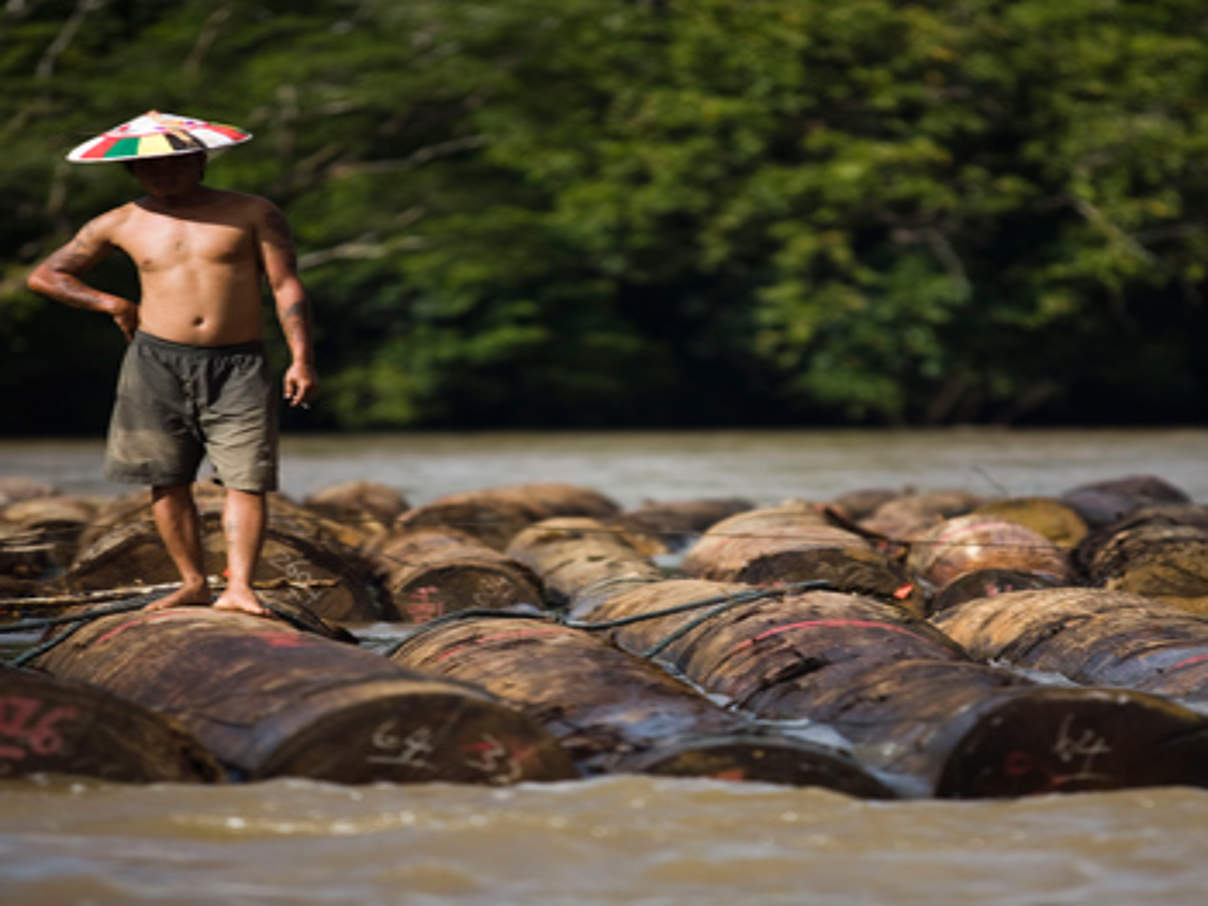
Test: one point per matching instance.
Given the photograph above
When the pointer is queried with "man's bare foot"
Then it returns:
(188, 593)
(242, 601)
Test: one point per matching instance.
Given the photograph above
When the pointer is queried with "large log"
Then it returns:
(369, 505)
(53, 522)
(903, 518)
(1090, 635)
(574, 555)
(52, 726)
(794, 542)
(965, 544)
(429, 573)
(1101, 502)
(495, 515)
(970, 730)
(910, 701)
(305, 563)
(769, 654)
(270, 701)
(1160, 552)
(614, 712)
(1057, 521)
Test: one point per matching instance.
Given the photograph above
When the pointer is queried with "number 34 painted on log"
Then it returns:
(23, 729)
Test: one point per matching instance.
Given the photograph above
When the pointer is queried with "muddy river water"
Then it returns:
(621, 840)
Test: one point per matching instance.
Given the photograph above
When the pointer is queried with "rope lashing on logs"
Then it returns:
(80, 620)
(310, 623)
(719, 604)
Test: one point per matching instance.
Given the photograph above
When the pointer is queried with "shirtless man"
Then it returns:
(194, 379)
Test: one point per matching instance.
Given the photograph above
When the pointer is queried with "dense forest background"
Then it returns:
(633, 212)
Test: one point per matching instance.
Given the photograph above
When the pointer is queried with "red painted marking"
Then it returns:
(523, 633)
(1187, 662)
(17, 721)
(903, 591)
(810, 624)
(421, 608)
(142, 618)
(12, 752)
(1016, 764)
(282, 639)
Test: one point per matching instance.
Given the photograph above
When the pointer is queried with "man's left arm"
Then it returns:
(276, 245)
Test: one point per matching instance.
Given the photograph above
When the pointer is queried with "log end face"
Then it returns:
(438, 735)
(50, 726)
(1057, 740)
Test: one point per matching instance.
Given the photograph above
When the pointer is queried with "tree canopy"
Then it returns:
(633, 212)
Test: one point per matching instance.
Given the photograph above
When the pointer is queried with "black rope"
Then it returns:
(80, 620)
(719, 603)
(45, 622)
(742, 598)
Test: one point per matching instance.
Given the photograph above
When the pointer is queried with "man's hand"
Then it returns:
(301, 384)
(125, 315)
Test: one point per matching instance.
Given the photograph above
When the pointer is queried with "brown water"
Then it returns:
(621, 840)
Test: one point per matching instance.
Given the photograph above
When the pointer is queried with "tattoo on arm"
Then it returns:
(296, 324)
(279, 234)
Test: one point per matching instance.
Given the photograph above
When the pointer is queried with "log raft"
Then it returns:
(911, 702)
(614, 712)
(53, 726)
(271, 701)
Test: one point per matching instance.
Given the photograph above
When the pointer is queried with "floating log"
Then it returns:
(52, 726)
(370, 505)
(974, 542)
(54, 522)
(271, 701)
(19, 487)
(910, 701)
(1057, 521)
(862, 503)
(1101, 502)
(613, 712)
(970, 730)
(574, 554)
(905, 517)
(794, 542)
(1160, 552)
(304, 564)
(495, 515)
(429, 573)
(1090, 635)
(983, 583)
(766, 654)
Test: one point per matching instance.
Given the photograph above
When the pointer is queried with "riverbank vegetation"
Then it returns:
(633, 212)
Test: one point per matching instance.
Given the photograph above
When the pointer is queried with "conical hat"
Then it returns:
(156, 134)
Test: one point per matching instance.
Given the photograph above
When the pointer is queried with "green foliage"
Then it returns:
(595, 212)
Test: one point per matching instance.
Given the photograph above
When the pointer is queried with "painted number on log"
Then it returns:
(1085, 746)
(493, 758)
(29, 725)
(410, 751)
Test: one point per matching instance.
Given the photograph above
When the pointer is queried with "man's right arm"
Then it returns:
(58, 277)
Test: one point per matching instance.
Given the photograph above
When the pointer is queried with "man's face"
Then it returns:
(164, 177)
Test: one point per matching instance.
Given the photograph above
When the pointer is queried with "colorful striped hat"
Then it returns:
(156, 134)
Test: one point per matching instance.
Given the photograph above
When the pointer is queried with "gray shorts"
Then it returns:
(177, 403)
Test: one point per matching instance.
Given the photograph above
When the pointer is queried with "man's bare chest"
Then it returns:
(161, 243)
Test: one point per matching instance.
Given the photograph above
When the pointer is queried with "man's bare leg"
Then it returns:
(180, 528)
(243, 520)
